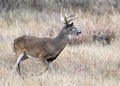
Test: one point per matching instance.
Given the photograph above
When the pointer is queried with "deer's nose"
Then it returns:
(78, 32)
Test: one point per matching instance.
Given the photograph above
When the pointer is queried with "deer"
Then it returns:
(47, 49)
(104, 37)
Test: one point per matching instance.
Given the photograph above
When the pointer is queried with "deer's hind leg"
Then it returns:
(20, 57)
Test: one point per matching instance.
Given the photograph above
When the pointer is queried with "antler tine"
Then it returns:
(71, 15)
(72, 18)
(64, 18)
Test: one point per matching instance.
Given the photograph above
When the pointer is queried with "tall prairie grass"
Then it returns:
(87, 64)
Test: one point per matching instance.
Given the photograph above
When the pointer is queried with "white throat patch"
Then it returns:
(70, 37)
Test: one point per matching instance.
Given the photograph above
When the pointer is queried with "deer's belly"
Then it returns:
(32, 57)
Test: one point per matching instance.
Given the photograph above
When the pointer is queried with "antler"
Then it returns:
(64, 18)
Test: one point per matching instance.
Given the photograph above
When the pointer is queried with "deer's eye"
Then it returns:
(70, 28)
(73, 29)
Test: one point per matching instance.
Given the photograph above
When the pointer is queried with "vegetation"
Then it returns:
(86, 64)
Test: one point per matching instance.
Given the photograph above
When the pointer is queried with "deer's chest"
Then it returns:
(53, 52)
(53, 56)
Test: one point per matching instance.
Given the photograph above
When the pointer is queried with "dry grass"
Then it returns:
(86, 64)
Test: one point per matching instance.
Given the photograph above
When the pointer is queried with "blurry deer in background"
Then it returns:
(104, 37)
(45, 49)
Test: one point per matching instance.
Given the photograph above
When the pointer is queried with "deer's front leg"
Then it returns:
(47, 64)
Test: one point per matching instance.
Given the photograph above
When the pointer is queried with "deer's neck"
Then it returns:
(61, 40)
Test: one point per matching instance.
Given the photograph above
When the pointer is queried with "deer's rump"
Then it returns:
(19, 43)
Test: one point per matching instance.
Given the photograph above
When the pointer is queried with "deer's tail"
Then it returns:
(19, 43)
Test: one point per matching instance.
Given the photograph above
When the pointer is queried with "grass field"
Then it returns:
(87, 64)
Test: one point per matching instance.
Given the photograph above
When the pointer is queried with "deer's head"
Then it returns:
(69, 28)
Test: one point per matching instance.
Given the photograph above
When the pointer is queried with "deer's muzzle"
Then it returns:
(78, 32)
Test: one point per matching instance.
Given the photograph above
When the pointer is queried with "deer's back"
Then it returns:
(32, 45)
(20, 42)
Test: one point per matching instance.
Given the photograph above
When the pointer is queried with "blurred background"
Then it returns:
(93, 6)
(98, 19)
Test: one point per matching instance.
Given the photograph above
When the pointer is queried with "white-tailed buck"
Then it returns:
(44, 49)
